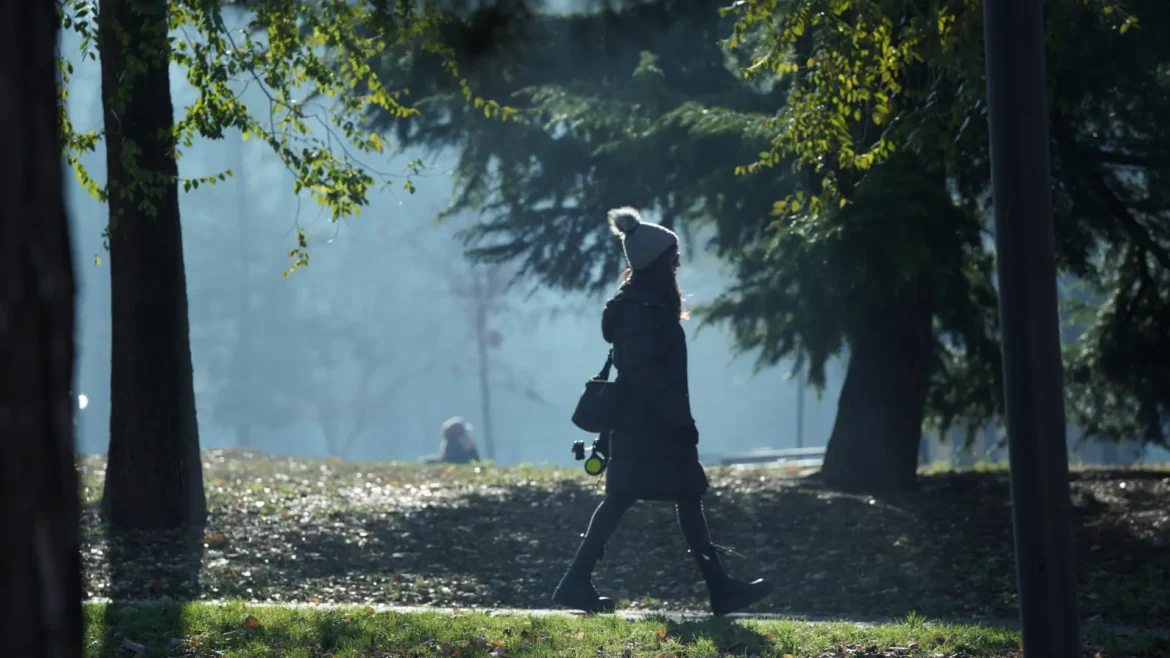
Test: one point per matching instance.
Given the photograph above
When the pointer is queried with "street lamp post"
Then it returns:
(800, 383)
(1033, 375)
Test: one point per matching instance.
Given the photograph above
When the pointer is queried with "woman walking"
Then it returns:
(653, 450)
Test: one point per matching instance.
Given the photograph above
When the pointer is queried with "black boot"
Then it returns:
(576, 589)
(727, 594)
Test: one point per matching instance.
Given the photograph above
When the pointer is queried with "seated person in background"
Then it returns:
(455, 445)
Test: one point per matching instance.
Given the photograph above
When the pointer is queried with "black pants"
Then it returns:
(609, 513)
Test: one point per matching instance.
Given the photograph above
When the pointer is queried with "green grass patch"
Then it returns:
(236, 629)
(239, 629)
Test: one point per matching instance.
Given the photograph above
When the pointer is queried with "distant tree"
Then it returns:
(350, 409)
(332, 354)
(40, 575)
(486, 297)
(245, 331)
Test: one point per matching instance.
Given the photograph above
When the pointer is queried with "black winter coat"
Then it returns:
(653, 451)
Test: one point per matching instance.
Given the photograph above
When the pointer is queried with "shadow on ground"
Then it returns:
(144, 565)
(944, 553)
(729, 637)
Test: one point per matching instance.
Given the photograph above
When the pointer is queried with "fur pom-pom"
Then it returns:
(623, 221)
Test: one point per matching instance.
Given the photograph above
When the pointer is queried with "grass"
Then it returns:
(302, 530)
(237, 629)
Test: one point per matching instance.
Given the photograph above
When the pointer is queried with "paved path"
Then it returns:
(636, 615)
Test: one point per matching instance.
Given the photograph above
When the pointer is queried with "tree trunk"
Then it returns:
(485, 388)
(875, 439)
(154, 479)
(244, 318)
(330, 429)
(40, 575)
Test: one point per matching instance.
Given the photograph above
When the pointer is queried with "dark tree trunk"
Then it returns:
(875, 439)
(154, 479)
(40, 575)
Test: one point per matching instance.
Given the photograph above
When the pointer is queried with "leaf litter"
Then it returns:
(327, 531)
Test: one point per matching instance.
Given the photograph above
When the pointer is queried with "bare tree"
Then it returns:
(488, 300)
(348, 413)
(40, 575)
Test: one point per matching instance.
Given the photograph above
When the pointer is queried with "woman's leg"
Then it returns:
(693, 523)
(607, 516)
(601, 527)
(727, 594)
(576, 588)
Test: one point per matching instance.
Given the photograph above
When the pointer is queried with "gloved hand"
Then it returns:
(690, 435)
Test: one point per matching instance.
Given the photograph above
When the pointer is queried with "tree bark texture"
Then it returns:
(40, 567)
(154, 479)
(876, 435)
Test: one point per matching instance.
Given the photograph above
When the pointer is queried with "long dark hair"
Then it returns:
(659, 278)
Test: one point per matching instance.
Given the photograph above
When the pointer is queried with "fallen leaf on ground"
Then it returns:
(251, 623)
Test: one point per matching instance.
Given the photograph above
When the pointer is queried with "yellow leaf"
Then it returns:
(97, 260)
(661, 633)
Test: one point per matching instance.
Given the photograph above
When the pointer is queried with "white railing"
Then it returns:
(784, 456)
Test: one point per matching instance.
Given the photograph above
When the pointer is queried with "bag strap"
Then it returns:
(604, 374)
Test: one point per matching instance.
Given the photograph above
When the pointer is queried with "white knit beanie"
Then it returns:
(643, 242)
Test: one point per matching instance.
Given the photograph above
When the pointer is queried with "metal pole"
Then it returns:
(1033, 375)
(800, 413)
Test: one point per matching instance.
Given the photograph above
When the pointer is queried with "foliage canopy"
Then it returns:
(838, 150)
(311, 61)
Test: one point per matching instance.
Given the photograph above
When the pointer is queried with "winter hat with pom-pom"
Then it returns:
(643, 242)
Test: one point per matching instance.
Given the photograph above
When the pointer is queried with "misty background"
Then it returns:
(364, 353)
